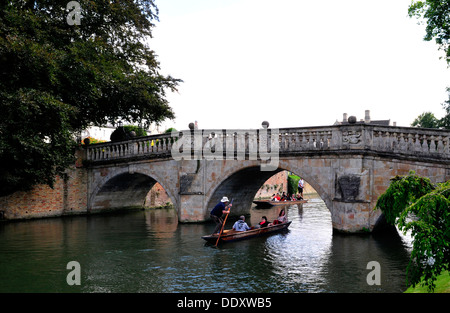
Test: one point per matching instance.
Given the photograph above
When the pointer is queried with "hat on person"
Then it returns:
(242, 217)
(224, 199)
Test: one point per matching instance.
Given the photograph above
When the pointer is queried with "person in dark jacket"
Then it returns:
(216, 214)
(264, 222)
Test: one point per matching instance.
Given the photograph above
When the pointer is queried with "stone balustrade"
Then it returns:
(239, 144)
(155, 145)
(411, 141)
(400, 140)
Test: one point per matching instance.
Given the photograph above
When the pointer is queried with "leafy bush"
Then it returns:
(293, 184)
(402, 192)
(169, 130)
(124, 132)
(139, 131)
(414, 204)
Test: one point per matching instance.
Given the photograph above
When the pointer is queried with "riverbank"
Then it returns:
(442, 285)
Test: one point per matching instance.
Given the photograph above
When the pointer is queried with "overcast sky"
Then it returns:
(296, 63)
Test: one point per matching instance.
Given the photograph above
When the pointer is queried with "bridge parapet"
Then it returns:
(150, 146)
(406, 141)
(252, 144)
(411, 140)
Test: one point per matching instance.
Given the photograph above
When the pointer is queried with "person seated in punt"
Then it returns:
(264, 222)
(281, 218)
(276, 197)
(241, 225)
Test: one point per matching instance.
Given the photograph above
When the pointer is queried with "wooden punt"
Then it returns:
(268, 203)
(230, 235)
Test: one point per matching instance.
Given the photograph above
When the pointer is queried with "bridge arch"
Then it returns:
(123, 188)
(243, 183)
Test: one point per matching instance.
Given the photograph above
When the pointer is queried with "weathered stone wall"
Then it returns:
(157, 197)
(276, 183)
(115, 186)
(69, 196)
(352, 208)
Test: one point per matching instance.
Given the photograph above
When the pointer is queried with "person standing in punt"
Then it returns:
(216, 214)
(301, 185)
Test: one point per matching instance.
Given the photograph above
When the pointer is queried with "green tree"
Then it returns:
(57, 78)
(293, 184)
(437, 16)
(125, 132)
(414, 204)
(36, 141)
(426, 120)
(169, 130)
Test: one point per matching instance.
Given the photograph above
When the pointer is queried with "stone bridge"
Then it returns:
(349, 166)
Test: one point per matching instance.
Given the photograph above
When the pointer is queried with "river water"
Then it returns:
(149, 251)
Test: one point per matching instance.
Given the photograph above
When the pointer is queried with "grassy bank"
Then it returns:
(442, 285)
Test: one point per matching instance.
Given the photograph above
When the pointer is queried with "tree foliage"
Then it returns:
(125, 132)
(35, 139)
(426, 120)
(437, 16)
(414, 204)
(57, 78)
(293, 184)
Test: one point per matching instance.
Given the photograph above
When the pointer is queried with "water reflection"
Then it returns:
(149, 251)
(162, 223)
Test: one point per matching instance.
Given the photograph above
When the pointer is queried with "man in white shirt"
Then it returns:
(301, 185)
